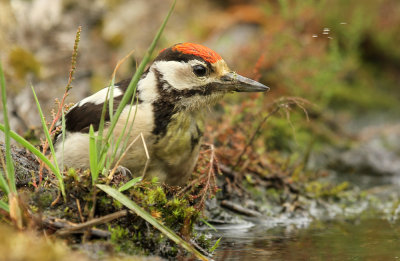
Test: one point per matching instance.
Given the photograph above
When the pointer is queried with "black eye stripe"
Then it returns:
(199, 70)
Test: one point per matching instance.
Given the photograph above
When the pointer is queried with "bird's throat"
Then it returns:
(182, 137)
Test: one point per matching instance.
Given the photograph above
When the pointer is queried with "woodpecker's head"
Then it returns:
(194, 76)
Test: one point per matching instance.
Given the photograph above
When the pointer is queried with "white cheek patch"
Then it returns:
(147, 88)
(100, 96)
(179, 74)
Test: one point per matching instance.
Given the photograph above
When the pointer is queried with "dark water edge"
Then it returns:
(359, 239)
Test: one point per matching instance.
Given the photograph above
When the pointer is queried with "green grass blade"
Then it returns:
(124, 136)
(93, 155)
(9, 163)
(45, 129)
(58, 173)
(215, 245)
(102, 144)
(3, 184)
(4, 205)
(136, 77)
(146, 216)
(26, 144)
(208, 224)
(130, 184)
(103, 157)
(126, 141)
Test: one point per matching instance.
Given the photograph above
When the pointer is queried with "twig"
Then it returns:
(91, 223)
(78, 204)
(56, 200)
(63, 224)
(239, 209)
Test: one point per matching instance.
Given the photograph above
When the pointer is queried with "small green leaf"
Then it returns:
(215, 245)
(130, 184)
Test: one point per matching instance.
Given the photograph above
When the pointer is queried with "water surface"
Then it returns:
(365, 239)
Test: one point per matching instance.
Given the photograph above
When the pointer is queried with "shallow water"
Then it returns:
(365, 239)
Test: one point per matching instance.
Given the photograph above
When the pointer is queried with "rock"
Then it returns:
(25, 164)
(378, 153)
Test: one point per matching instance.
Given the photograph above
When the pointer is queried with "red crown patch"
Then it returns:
(198, 50)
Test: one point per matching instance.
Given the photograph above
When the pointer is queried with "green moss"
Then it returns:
(123, 241)
(324, 189)
(204, 241)
(178, 213)
(73, 173)
(156, 196)
(45, 199)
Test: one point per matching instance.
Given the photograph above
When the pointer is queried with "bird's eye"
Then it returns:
(199, 70)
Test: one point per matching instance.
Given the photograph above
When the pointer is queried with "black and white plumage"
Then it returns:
(172, 95)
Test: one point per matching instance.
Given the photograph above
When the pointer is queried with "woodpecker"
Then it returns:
(172, 96)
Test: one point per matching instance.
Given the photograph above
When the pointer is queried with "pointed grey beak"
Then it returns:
(238, 83)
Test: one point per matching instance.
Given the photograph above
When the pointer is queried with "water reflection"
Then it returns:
(370, 239)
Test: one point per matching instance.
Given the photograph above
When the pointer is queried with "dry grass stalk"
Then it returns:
(61, 104)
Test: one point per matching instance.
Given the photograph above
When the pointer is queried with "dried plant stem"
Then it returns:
(78, 204)
(210, 175)
(147, 155)
(109, 178)
(120, 62)
(120, 159)
(61, 104)
(93, 222)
